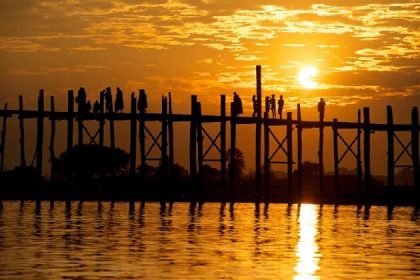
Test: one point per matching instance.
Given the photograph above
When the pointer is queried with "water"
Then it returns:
(97, 241)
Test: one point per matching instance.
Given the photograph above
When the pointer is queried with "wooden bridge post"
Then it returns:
(335, 147)
(289, 151)
(258, 132)
(232, 147)
(111, 123)
(22, 133)
(70, 111)
(415, 149)
(366, 134)
(142, 140)
(164, 138)
(193, 142)
(52, 138)
(133, 135)
(359, 150)
(3, 138)
(80, 113)
(390, 136)
(266, 151)
(299, 147)
(101, 119)
(321, 155)
(223, 140)
(171, 136)
(199, 145)
(40, 132)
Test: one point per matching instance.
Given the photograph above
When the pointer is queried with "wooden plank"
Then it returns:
(321, 154)
(289, 133)
(80, 113)
(3, 139)
(101, 118)
(359, 151)
(171, 137)
(193, 143)
(142, 142)
(40, 133)
(223, 140)
(390, 156)
(52, 140)
(266, 151)
(22, 133)
(199, 145)
(299, 146)
(164, 138)
(335, 148)
(415, 149)
(70, 109)
(111, 114)
(232, 147)
(258, 131)
(133, 135)
(366, 134)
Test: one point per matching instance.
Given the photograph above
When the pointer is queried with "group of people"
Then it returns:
(270, 105)
(237, 108)
(86, 107)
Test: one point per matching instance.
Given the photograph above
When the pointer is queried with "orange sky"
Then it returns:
(367, 52)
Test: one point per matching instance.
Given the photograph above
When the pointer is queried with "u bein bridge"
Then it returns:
(141, 135)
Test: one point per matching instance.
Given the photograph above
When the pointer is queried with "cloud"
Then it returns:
(218, 43)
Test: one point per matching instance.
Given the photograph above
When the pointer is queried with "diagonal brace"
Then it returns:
(348, 147)
(280, 145)
(155, 140)
(405, 149)
(213, 142)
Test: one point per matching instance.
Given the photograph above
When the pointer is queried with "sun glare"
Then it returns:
(306, 75)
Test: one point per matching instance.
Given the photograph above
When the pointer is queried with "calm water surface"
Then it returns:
(242, 241)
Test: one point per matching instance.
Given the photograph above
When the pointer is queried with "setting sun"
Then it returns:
(306, 75)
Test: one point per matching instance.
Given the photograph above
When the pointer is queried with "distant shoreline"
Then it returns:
(51, 192)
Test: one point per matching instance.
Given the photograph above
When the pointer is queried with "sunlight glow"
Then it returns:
(307, 248)
(306, 75)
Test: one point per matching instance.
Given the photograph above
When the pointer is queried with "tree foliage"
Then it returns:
(239, 162)
(92, 160)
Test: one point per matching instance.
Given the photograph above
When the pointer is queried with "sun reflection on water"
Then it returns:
(307, 248)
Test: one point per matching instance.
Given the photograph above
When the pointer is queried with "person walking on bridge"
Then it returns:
(273, 105)
(280, 104)
(321, 109)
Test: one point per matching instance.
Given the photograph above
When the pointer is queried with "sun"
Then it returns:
(306, 75)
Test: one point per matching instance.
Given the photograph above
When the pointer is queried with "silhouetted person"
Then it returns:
(321, 109)
(240, 108)
(142, 103)
(108, 99)
(119, 101)
(81, 100)
(280, 104)
(96, 107)
(273, 105)
(237, 104)
(88, 107)
(267, 104)
(254, 105)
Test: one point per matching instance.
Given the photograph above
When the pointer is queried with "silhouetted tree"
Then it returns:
(92, 160)
(310, 170)
(404, 177)
(239, 164)
(179, 172)
(210, 173)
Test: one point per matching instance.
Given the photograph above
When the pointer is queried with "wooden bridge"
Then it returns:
(141, 135)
